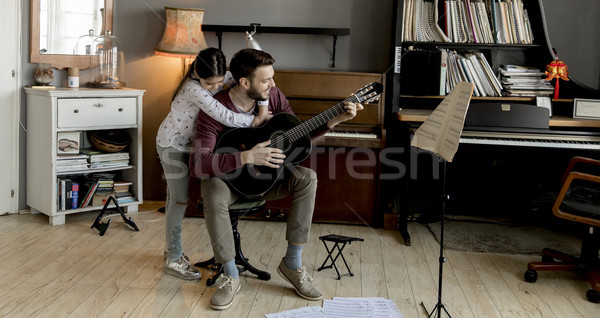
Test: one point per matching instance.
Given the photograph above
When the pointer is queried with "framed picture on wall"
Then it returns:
(586, 108)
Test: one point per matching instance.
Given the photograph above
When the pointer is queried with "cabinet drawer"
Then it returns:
(91, 112)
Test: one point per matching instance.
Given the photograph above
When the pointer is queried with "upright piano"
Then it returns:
(346, 159)
(501, 169)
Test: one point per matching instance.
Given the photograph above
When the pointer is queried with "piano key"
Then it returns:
(545, 141)
(351, 134)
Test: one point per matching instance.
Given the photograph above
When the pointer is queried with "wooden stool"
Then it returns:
(337, 239)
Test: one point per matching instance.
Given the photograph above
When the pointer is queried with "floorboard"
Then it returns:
(71, 271)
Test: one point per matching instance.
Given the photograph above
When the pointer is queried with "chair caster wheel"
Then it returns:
(593, 296)
(530, 276)
(264, 276)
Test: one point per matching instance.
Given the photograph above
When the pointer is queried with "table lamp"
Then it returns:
(183, 35)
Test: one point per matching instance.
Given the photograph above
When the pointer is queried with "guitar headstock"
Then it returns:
(369, 93)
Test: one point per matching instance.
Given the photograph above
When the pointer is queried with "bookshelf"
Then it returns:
(60, 110)
(534, 53)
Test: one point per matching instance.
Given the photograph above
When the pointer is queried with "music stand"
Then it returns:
(440, 134)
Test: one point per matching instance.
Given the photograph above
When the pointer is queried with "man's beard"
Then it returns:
(255, 94)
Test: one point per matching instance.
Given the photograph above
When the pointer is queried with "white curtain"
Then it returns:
(67, 20)
(56, 27)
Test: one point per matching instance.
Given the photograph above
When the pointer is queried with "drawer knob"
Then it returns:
(98, 105)
(120, 109)
(76, 111)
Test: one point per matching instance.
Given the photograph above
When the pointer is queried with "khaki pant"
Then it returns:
(300, 183)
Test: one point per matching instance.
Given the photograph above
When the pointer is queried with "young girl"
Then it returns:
(205, 77)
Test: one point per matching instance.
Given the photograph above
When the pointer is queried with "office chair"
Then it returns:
(577, 201)
(240, 208)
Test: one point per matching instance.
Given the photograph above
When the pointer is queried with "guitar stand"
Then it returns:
(337, 239)
(102, 227)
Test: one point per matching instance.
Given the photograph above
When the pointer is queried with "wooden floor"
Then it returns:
(71, 271)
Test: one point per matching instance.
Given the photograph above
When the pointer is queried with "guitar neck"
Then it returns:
(317, 121)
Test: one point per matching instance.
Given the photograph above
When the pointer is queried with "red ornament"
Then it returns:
(559, 70)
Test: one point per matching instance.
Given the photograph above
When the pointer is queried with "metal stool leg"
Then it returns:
(243, 261)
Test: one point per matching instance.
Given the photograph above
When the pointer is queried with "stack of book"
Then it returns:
(101, 160)
(105, 187)
(71, 162)
(474, 68)
(68, 194)
(121, 191)
(88, 188)
(97, 188)
(523, 81)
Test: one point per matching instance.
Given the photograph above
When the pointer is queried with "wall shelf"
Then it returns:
(334, 32)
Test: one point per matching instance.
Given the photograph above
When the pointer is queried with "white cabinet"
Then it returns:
(78, 109)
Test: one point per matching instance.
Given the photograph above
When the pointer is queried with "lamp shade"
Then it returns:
(183, 35)
(251, 43)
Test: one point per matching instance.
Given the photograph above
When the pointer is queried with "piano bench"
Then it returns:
(337, 240)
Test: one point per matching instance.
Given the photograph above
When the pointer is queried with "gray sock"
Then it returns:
(230, 269)
(293, 256)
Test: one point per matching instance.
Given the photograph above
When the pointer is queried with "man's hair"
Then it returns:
(246, 61)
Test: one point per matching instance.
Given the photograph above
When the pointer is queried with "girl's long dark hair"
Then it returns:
(208, 63)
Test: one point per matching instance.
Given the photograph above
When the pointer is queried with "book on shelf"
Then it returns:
(123, 194)
(125, 199)
(72, 168)
(74, 195)
(65, 193)
(100, 198)
(90, 189)
(42, 87)
(64, 157)
(120, 186)
(466, 21)
(90, 151)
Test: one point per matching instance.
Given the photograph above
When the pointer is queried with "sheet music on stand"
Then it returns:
(440, 133)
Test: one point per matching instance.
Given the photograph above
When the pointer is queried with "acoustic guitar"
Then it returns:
(286, 132)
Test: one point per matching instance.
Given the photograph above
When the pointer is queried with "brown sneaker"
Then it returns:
(300, 280)
(223, 297)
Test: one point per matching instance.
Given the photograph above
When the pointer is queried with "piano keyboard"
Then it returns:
(531, 140)
(351, 134)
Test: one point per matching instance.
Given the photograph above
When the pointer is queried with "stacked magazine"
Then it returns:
(101, 160)
(523, 81)
(71, 162)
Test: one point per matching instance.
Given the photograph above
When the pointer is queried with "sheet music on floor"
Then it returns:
(303, 312)
(360, 307)
(342, 307)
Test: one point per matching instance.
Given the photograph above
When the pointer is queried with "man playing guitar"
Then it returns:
(253, 72)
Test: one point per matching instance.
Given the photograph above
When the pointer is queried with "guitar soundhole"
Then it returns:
(280, 141)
